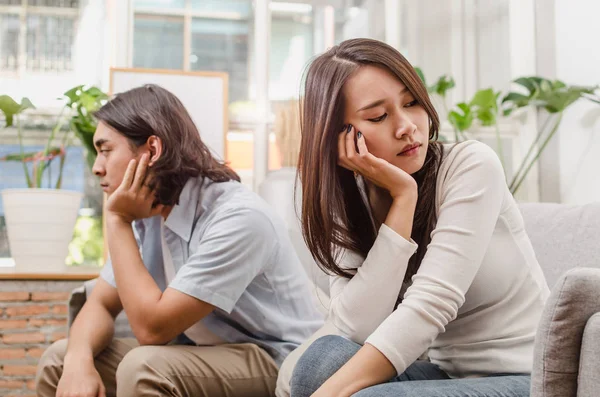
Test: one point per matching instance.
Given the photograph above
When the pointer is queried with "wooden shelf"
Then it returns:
(82, 274)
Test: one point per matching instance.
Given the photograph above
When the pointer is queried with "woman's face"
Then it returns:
(395, 126)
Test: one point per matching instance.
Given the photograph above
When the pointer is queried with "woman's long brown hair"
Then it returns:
(150, 110)
(334, 215)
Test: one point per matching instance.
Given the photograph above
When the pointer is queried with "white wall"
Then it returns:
(578, 62)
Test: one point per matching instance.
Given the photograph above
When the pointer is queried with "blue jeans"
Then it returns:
(422, 379)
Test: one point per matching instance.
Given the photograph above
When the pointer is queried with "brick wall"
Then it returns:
(33, 314)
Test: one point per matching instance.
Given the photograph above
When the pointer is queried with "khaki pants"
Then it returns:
(127, 369)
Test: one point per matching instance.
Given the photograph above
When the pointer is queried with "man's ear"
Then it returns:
(155, 146)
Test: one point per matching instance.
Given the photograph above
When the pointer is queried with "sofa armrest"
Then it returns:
(589, 364)
(77, 299)
(558, 343)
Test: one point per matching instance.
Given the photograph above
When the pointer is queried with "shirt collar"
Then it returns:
(183, 216)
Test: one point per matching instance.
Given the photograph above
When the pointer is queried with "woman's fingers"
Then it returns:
(350, 145)
(342, 154)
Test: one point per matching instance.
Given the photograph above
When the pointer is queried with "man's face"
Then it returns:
(114, 154)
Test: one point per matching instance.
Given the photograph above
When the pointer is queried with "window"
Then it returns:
(37, 35)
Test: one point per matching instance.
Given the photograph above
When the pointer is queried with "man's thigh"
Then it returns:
(106, 362)
(231, 370)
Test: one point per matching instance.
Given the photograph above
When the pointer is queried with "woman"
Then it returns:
(425, 244)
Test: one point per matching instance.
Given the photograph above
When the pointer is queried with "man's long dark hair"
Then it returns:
(151, 110)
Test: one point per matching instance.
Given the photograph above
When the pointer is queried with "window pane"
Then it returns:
(291, 49)
(49, 41)
(9, 42)
(167, 4)
(158, 42)
(54, 3)
(223, 45)
(231, 8)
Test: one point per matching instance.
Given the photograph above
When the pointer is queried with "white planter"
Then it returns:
(40, 224)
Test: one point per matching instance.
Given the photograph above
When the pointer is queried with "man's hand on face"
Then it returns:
(133, 198)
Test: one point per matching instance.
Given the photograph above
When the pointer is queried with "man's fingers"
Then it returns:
(129, 173)
(140, 173)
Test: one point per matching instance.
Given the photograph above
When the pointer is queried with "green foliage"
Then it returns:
(78, 100)
(11, 108)
(87, 247)
(82, 123)
(487, 106)
(441, 87)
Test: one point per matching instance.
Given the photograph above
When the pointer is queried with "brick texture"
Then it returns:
(27, 310)
(49, 296)
(14, 296)
(33, 314)
(11, 353)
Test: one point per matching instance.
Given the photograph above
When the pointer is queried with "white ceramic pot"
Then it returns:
(40, 224)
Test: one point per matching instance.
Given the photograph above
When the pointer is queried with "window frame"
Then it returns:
(23, 11)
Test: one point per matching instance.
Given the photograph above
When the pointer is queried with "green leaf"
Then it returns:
(96, 93)
(484, 99)
(462, 118)
(421, 75)
(484, 105)
(444, 84)
(519, 100)
(487, 117)
(73, 94)
(88, 102)
(10, 107)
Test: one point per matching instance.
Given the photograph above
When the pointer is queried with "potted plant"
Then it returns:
(40, 219)
(488, 107)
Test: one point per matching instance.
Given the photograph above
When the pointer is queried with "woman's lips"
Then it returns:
(411, 151)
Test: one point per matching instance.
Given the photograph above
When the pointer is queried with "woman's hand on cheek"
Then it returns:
(133, 198)
(377, 170)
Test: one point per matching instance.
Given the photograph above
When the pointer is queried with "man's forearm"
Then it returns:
(90, 333)
(138, 291)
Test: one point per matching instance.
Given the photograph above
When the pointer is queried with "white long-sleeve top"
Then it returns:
(476, 299)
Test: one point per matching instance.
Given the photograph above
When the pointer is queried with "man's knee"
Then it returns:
(49, 368)
(140, 370)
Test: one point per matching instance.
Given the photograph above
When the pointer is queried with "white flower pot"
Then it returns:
(40, 224)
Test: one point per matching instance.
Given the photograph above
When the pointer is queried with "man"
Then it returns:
(207, 276)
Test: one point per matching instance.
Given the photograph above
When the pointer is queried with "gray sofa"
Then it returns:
(565, 239)
(567, 349)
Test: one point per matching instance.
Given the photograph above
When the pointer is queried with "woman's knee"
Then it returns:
(319, 362)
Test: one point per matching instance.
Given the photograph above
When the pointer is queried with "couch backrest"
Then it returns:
(563, 236)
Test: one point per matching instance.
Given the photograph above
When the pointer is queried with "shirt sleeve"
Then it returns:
(472, 197)
(235, 248)
(107, 272)
(360, 304)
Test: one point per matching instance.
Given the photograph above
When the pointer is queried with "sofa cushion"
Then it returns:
(563, 236)
(589, 383)
(556, 355)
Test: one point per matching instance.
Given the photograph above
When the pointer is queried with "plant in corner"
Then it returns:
(40, 221)
(551, 96)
